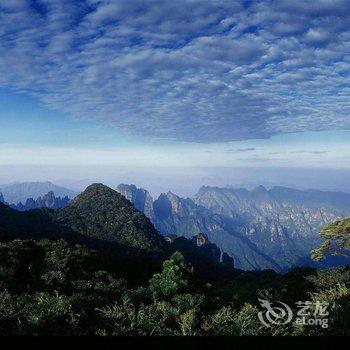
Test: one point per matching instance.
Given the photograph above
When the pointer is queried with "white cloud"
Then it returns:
(185, 70)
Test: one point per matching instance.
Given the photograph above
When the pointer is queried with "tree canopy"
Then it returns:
(337, 240)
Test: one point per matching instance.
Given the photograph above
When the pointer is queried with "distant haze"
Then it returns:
(183, 181)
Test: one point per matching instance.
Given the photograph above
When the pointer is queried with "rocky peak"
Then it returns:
(2, 200)
(209, 191)
(49, 196)
(162, 207)
(20, 192)
(47, 201)
(140, 197)
(204, 189)
(128, 191)
(261, 196)
(170, 204)
(30, 204)
(200, 239)
(175, 201)
(170, 238)
(222, 201)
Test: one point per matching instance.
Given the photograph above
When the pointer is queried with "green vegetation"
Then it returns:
(337, 237)
(99, 217)
(51, 287)
(104, 220)
(103, 213)
(134, 283)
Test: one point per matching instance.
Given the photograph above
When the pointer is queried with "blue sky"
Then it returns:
(175, 83)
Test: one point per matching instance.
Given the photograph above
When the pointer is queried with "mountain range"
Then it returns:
(98, 266)
(105, 220)
(49, 200)
(259, 229)
(20, 191)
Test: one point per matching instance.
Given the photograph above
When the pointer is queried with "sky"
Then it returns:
(100, 90)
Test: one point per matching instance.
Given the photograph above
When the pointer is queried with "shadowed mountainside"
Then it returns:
(103, 219)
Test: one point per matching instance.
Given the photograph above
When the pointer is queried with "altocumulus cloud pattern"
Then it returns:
(199, 71)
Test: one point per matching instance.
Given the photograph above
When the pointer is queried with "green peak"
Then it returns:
(97, 197)
(98, 188)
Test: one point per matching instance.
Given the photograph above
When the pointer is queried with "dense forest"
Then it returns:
(48, 287)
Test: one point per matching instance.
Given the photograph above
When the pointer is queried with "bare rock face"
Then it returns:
(170, 238)
(2, 200)
(282, 222)
(182, 217)
(200, 239)
(260, 229)
(140, 197)
(185, 218)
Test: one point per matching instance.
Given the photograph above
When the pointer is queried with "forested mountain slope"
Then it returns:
(105, 220)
